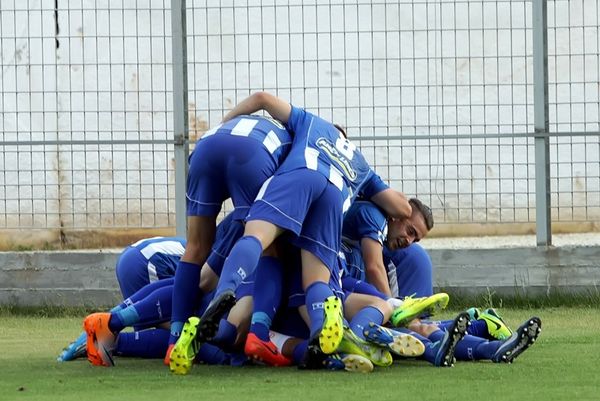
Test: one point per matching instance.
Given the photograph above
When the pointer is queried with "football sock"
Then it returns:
(362, 319)
(299, 351)
(316, 294)
(150, 343)
(477, 328)
(431, 348)
(144, 292)
(436, 336)
(240, 263)
(212, 355)
(226, 335)
(267, 295)
(155, 308)
(472, 348)
(353, 285)
(261, 322)
(185, 295)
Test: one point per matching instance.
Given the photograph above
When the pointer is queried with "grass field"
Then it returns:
(562, 365)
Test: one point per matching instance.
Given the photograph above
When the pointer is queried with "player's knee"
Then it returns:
(384, 307)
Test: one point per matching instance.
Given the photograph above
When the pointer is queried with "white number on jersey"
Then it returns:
(345, 147)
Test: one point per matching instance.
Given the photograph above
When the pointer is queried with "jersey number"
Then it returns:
(345, 147)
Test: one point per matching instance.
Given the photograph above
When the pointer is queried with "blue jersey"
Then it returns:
(318, 145)
(363, 220)
(162, 254)
(271, 133)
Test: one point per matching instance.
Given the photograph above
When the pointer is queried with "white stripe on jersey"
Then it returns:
(166, 247)
(211, 131)
(272, 142)
(152, 272)
(347, 204)
(244, 127)
(312, 158)
(335, 177)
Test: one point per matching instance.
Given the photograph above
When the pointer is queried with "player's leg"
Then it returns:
(281, 204)
(413, 272)
(240, 264)
(267, 299)
(440, 345)
(205, 193)
(102, 328)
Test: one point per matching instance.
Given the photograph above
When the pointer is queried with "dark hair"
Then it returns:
(424, 210)
(339, 127)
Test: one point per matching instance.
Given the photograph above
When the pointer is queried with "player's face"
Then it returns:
(402, 233)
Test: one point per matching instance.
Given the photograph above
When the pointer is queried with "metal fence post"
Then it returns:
(180, 111)
(542, 127)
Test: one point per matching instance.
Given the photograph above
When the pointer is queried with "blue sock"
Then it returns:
(430, 347)
(176, 328)
(226, 335)
(153, 309)
(299, 351)
(185, 295)
(363, 318)
(261, 322)
(316, 293)
(212, 355)
(123, 318)
(240, 263)
(353, 285)
(151, 343)
(144, 292)
(436, 336)
(472, 348)
(267, 295)
(477, 328)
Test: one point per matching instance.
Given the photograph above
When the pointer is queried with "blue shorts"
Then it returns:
(132, 272)
(304, 202)
(414, 272)
(226, 166)
(226, 237)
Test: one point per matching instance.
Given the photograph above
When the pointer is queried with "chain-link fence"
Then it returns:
(439, 95)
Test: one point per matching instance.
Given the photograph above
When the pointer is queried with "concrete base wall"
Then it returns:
(77, 278)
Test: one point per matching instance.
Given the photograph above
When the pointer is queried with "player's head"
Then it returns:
(341, 129)
(403, 232)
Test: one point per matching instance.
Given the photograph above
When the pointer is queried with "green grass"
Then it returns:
(563, 365)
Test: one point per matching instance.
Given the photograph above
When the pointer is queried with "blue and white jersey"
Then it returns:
(162, 255)
(363, 220)
(271, 133)
(318, 145)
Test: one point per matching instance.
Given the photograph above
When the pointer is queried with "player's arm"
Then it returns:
(372, 253)
(278, 108)
(394, 203)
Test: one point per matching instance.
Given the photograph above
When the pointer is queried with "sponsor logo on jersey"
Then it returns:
(242, 273)
(334, 154)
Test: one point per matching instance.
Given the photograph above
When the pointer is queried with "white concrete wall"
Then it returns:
(393, 68)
